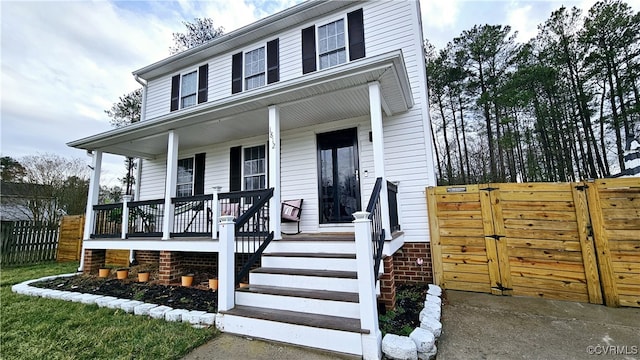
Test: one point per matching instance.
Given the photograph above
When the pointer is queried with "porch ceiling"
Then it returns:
(325, 96)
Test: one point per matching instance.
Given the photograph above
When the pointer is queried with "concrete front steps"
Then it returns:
(305, 293)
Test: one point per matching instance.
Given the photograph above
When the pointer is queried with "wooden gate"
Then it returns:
(615, 212)
(514, 239)
(70, 242)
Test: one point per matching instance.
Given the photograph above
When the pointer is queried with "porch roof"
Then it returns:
(324, 96)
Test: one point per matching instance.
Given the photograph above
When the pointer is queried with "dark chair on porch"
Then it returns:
(291, 211)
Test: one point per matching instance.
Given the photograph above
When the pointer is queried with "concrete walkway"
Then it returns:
(226, 346)
(482, 326)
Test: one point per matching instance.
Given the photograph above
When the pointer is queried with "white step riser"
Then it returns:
(332, 340)
(309, 263)
(340, 247)
(304, 282)
(312, 306)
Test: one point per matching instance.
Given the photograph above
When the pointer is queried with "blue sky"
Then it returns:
(65, 62)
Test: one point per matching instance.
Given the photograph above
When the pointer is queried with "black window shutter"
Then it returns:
(236, 73)
(175, 92)
(235, 169)
(309, 49)
(355, 25)
(273, 61)
(203, 86)
(198, 180)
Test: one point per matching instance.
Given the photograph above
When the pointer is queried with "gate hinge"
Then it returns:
(495, 236)
(501, 288)
(582, 187)
(490, 188)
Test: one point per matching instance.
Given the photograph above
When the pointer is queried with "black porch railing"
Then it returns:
(377, 230)
(146, 218)
(251, 210)
(192, 216)
(392, 194)
(108, 221)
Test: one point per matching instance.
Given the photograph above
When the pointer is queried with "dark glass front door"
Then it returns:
(339, 186)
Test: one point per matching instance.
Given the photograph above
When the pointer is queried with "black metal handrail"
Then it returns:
(377, 230)
(251, 209)
(192, 215)
(145, 218)
(108, 221)
(392, 195)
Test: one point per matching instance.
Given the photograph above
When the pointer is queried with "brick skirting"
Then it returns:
(402, 267)
(93, 260)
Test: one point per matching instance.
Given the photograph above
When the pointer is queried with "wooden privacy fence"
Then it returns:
(70, 245)
(25, 242)
(568, 241)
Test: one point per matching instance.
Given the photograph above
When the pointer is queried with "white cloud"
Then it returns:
(440, 14)
(64, 63)
(522, 21)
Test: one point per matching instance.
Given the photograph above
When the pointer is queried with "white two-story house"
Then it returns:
(325, 104)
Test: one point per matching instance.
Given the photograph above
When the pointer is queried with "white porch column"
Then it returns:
(274, 171)
(170, 185)
(92, 199)
(372, 342)
(226, 264)
(377, 132)
(215, 212)
(125, 216)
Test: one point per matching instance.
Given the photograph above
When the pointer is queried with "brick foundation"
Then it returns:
(405, 267)
(174, 264)
(147, 256)
(402, 268)
(93, 260)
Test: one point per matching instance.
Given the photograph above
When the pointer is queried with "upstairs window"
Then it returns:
(254, 69)
(189, 88)
(331, 44)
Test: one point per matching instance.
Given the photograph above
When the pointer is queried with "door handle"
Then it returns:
(357, 175)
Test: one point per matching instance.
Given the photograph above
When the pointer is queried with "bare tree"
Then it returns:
(199, 32)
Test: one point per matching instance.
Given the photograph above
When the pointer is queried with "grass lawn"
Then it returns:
(36, 328)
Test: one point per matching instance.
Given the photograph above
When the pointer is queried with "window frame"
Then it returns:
(264, 69)
(266, 167)
(195, 93)
(345, 33)
(193, 176)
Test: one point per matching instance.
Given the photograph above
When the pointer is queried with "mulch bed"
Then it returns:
(401, 320)
(197, 297)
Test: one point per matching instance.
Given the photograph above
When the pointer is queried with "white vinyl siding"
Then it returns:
(290, 60)
(152, 179)
(220, 77)
(158, 97)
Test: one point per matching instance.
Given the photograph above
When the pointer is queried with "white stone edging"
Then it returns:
(420, 344)
(196, 318)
